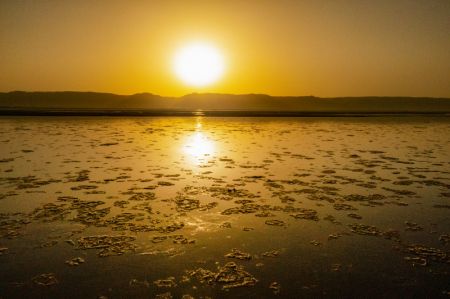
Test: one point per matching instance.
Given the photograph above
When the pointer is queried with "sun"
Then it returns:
(198, 64)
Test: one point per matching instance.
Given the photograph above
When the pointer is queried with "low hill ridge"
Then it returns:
(222, 102)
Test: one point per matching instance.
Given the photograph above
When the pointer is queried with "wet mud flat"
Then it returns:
(216, 207)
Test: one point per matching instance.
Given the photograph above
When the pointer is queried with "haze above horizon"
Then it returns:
(325, 49)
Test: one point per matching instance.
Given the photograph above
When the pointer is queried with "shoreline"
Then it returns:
(227, 113)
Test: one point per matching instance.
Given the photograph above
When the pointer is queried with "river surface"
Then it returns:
(231, 207)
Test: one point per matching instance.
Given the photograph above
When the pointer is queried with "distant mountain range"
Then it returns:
(26, 102)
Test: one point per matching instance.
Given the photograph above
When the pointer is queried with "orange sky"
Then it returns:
(322, 48)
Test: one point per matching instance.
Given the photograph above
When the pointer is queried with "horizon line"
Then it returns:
(223, 94)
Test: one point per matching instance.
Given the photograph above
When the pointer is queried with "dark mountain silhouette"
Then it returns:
(19, 101)
(80, 100)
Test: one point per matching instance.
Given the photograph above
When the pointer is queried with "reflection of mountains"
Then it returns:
(66, 101)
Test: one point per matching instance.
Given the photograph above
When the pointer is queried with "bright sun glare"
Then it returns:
(198, 146)
(198, 64)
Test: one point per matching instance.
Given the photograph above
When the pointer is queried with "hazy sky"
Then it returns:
(322, 48)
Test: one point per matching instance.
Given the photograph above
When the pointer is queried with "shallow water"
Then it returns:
(224, 207)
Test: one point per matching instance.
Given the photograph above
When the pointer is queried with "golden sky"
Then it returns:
(322, 48)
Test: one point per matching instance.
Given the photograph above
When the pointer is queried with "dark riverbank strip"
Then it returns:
(227, 113)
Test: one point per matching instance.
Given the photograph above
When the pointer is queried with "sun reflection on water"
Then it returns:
(199, 146)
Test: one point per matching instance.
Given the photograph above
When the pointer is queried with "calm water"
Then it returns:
(224, 207)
